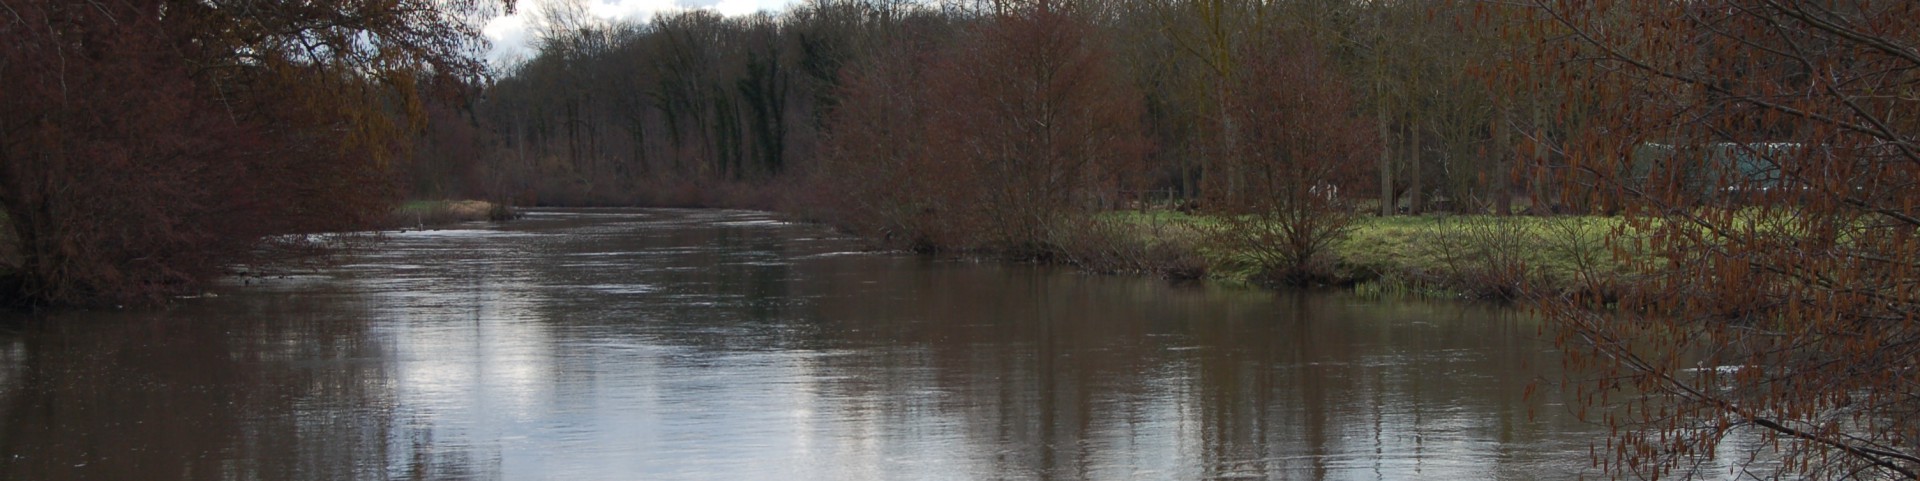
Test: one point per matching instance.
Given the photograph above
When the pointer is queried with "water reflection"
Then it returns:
(660, 344)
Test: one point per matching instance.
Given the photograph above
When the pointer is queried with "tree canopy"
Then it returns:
(144, 144)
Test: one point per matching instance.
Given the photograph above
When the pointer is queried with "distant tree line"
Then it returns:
(624, 112)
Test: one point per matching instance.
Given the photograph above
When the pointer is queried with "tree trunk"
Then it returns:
(1229, 140)
(1415, 194)
(1542, 188)
(1502, 162)
(1386, 161)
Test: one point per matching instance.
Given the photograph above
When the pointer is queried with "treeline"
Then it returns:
(663, 112)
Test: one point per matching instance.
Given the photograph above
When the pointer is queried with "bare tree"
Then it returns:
(1303, 155)
(1032, 111)
(1765, 155)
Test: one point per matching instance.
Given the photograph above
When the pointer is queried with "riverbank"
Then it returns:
(1432, 256)
(1484, 257)
(1470, 256)
(419, 214)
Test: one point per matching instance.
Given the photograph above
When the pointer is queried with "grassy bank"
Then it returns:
(1432, 255)
(429, 213)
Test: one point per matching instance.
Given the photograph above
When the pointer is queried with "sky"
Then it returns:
(511, 34)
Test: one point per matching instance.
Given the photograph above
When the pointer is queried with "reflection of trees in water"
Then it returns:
(874, 364)
(1320, 386)
(1029, 362)
(1056, 374)
(262, 394)
(1036, 372)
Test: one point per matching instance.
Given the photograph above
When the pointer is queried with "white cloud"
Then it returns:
(638, 10)
(749, 7)
(512, 35)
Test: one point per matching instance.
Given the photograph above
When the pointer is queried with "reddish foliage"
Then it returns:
(1768, 173)
(1302, 150)
(992, 144)
(873, 176)
(137, 157)
(1031, 125)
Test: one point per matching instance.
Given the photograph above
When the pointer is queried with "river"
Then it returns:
(701, 344)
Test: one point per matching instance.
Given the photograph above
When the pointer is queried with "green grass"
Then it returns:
(1439, 254)
(1556, 248)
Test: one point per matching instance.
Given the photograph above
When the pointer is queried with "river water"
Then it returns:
(698, 344)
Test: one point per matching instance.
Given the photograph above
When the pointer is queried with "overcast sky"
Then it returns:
(510, 34)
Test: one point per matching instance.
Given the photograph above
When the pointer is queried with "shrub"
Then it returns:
(1294, 141)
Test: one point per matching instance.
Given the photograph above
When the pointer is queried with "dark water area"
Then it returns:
(691, 344)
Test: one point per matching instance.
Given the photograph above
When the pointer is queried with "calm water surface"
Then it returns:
(678, 344)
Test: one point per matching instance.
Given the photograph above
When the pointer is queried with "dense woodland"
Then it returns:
(624, 113)
(1757, 159)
